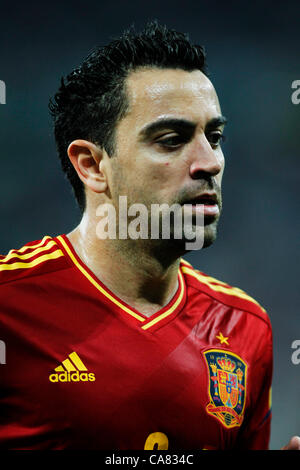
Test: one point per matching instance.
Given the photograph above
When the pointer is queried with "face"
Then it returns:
(168, 144)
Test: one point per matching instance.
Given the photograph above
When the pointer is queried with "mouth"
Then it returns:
(206, 203)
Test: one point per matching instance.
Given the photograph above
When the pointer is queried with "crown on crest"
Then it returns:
(226, 364)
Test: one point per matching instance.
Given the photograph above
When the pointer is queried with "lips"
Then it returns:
(205, 204)
(209, 199)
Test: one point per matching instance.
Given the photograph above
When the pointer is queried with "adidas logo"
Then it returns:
(72, 370)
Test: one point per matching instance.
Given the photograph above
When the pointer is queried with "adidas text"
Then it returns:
(72, 377)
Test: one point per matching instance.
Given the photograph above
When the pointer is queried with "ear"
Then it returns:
(87, 159)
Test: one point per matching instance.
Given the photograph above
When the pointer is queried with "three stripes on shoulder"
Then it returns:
(216, 285)
(30, 256)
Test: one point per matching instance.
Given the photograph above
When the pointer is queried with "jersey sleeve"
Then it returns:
(256, 428)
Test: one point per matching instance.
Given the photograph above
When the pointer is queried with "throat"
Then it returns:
(149, 305)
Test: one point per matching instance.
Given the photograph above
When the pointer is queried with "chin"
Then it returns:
(210, 234)
(176, 247)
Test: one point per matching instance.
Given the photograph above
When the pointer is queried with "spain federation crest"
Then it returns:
(227, 386)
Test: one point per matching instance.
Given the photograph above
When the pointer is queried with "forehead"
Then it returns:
(155, 93)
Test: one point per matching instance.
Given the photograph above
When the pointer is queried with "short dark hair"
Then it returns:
(92, 98)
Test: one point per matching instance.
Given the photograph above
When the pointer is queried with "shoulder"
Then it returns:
(34, 258)
(223, 292)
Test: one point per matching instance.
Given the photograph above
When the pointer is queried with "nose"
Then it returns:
(205, 160)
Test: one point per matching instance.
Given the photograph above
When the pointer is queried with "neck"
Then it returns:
(136, 271)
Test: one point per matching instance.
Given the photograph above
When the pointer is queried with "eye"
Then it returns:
(215, 138)
(172, 142)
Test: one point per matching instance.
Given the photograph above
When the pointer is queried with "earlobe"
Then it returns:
(87, 160)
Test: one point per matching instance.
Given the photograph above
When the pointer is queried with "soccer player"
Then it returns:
(118, 342)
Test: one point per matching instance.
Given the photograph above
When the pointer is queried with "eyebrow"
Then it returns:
(216, 122)
(179, 124)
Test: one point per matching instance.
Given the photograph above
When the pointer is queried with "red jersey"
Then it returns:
(85, 370)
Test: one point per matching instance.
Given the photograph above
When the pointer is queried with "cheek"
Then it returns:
(221, 160)
(223, 167)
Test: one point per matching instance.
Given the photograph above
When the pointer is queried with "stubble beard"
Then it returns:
(168, 249)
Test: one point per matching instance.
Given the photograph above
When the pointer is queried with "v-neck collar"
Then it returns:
(158, 319)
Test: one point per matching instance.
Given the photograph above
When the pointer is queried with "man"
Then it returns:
(117, 342)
